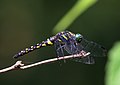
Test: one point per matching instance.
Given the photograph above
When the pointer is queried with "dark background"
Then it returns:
(27, 22)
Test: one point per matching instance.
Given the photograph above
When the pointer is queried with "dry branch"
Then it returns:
(19, 65)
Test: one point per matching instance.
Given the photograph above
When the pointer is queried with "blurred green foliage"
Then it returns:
(113, 66)
(79, 7)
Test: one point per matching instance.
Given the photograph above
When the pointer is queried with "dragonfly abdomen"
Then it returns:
(48, 42)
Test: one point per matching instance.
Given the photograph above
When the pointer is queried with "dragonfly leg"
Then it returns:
(83, 53)
(59, 49)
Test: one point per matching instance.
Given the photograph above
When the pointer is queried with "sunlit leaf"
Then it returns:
(79, 7)
(113, 66)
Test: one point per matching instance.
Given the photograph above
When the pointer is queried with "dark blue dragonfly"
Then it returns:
(71, 43)
(76, 43)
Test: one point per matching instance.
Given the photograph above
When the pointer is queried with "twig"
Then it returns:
(19, 65)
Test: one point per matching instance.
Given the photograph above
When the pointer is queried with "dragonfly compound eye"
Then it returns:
(78, 37)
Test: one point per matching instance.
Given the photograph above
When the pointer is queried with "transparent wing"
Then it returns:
(95, 49)
(72, 47)
(59, 49)
(86, 60)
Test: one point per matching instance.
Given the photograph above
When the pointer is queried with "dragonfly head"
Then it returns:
(78, 37)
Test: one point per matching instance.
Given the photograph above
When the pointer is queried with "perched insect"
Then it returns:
(72, 44)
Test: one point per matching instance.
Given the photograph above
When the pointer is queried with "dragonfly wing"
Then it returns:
(71, 47)
(59, 49)
(95, 49)
(85, 60)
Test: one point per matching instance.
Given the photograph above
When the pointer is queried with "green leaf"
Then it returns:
(73, 13)
(113, 66)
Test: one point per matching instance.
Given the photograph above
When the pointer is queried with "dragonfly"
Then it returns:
(70, 43)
